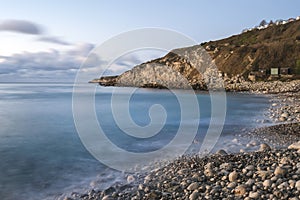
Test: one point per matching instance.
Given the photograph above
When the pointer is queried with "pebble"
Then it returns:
(226, 166)
(279, 171)
(267, 183)
(270, 174)
(221, 152)
(108, 197)
(193, 186)
(264, 147)
(240, 190)
(233, 176)
(249, 168)
(231, 185)
(297, 185)
(194, 195)
(285, 115)
(250, 182)
(253, 143)
(254, 195)
(295, 145)
(130, 179)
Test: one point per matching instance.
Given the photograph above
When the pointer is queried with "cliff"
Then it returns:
(275, 46)
(258, 50)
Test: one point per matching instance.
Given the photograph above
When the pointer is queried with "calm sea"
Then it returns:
(43, 157)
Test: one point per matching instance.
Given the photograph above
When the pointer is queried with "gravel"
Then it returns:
(270, 178)
(277, 136)
(271, 172)
(285, 108)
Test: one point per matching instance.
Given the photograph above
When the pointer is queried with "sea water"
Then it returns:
(43, 157)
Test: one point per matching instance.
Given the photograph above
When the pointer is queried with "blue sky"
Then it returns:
(47, 40)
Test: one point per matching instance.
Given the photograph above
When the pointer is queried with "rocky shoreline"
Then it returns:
(269, 87)
(285, 107)
(277, 136)
(266, 174)
(234, 84)
(271, 171)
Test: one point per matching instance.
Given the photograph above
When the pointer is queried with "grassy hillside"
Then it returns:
(275, 46)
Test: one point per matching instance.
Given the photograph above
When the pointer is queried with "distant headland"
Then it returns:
(249, 61)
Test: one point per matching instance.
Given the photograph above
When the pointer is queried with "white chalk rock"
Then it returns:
(295, 145)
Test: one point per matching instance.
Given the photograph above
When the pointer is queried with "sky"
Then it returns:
(48, 40)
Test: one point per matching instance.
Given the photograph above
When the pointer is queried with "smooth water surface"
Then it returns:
(43, 157)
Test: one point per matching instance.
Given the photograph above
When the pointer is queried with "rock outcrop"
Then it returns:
(182, 68)
(201, 66)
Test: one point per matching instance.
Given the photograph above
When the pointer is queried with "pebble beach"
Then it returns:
(266, 174)
(271, 170)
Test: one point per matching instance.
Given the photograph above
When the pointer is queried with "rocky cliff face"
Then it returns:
(173, 71)
(186, 68)
(201, 66)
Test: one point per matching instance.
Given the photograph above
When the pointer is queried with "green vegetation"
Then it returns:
(297, 66)
(251, 51)
(246, 39)
(272, 47)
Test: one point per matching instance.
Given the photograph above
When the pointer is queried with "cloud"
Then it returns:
(54, 40)
(55, 65)
(62, 65)
(28, 27)
(127, 61)
(21, 26)
(82, 48)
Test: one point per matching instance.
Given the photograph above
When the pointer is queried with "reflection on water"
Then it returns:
(42, 155)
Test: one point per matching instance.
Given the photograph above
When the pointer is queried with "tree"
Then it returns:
(263, 23)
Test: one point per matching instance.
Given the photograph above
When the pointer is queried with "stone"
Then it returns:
(141, 187)
(254, 195)
(107, 197)
(194, 195)
(292, 183)
(231, 185)
(147, 178)
(250, 182)
(294, 198)
(240, 190)
(282, 119)
(263, 173)
(264, 147)
(295, 145)
(226, 166)
(279, 171)
(221, 152)
(253, 143)
(208, 172)
(182, 171)
(267, 183)
(233, 176)
(130, 179)
(249, 168)
(283, 185)
(297, 185)
(274, 175)
(193, 186)
(208, 166)
(284, 160)
(285, 115)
